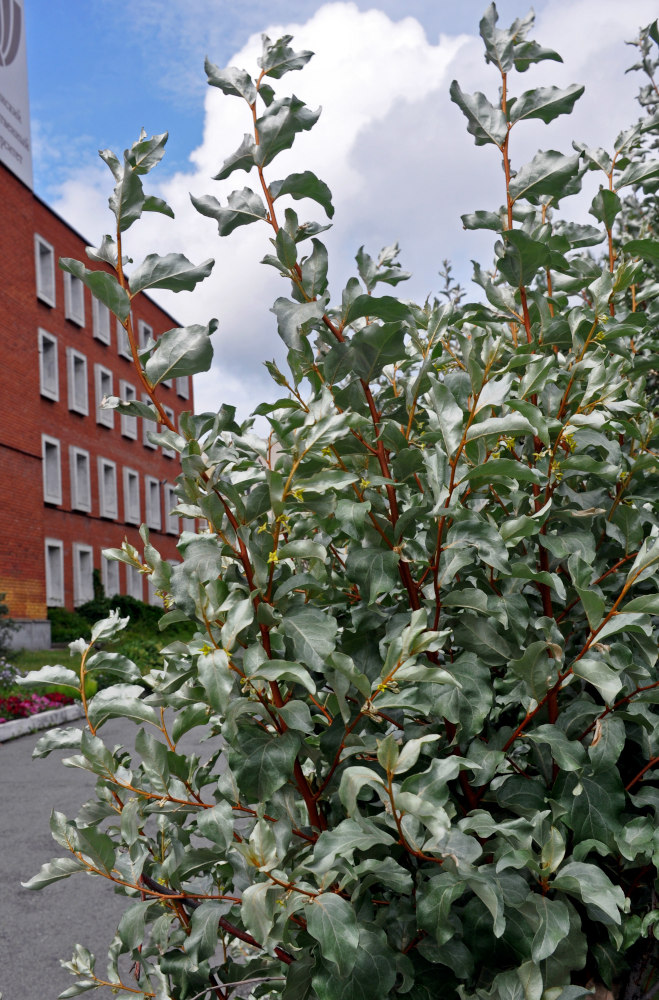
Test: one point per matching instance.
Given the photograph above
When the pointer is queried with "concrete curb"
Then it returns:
(43, 720)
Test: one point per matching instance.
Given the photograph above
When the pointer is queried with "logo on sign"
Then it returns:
(10, 30)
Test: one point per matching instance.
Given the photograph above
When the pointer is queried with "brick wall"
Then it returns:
(28, 414)
(21, 560)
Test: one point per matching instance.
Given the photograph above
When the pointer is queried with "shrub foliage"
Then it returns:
(424, 602)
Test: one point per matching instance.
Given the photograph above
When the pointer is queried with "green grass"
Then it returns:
(32, 659)
(28, 660)
(138, 642)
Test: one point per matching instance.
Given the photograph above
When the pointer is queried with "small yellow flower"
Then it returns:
(273, 558)
(364, 483)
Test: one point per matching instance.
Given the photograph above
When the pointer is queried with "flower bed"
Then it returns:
(18, 704)
(21, 706)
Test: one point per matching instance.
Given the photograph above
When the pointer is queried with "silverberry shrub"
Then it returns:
(425, 603)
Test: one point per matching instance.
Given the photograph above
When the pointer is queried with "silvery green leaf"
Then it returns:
(486, 123)
(331, 921)
(243, 208)
(182, 351)
(231, 81)
(120, 700)
(104, 286)
(173, 272)
(304, 185)
(53, 871)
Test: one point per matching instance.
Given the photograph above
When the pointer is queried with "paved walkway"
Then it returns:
(39, 928)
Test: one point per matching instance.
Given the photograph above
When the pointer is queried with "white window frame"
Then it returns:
(153, 506)
(101, 321)
(54, 587)
(169, 452)
(44, 265)
(183, 386)
(74, 299)
(103, 383)
(134, 582)
(123, 343)
(77, 403)
(148, 425)
(83, 590)
(110, 577)
(131, 496)
(172, 525)
(48, 381)
(108, 499)
(144, 333)
(81, 485)
(52, 491)
(128, 393)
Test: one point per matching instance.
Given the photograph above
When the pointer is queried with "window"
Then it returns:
(103, 387)
(128, 423)
(187, 524)
(148, 426)
(52, 470)
(144, 334)
(54, 573)
(101, 321)
(171, 520)
(83, 573)
(183, 386)
(48, 375)
(77, 374)
(134, 582)
(110, 577)
(81, 493)
(131, 496)
(123, 343)
(153, 514)
(107, 489)
(74, 299)
(44, 259)
(169, 452)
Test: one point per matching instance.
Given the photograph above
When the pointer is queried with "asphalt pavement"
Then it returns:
(38, 928)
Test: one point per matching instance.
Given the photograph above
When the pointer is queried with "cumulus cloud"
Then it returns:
(391, 146)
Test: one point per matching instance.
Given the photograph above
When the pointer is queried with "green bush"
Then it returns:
(7, 626)
(142, 649)
(141, 641)
(425, 605)
(138, 612)
(66, 626)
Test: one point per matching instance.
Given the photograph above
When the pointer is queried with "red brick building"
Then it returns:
(74, 478)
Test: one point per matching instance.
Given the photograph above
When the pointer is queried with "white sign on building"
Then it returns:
(15, 148)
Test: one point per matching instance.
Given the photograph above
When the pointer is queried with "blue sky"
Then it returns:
(99, 70)
(392, 147)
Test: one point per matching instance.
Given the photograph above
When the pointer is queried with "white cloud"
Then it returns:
(393, 149)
